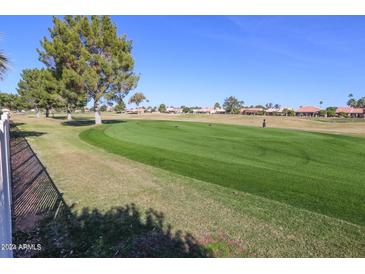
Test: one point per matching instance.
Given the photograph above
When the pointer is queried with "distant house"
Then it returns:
(131, 111)
(277, 111)
(272, 111)
(203, 110)
(252, 111)
(308, 111)
(218, 111)
(135, 110)
(174, 110)
(209, 110)
(350, 112)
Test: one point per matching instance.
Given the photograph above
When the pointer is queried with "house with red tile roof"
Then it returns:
(308, 111)
(350, 112)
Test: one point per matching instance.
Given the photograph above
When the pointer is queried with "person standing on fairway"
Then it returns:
(264, 123)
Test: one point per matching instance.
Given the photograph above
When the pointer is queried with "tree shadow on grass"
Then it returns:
(15, 133)
(58, 117)
(41, 216)
(27, 133)
(80, 123)
(12, 124)
(119, 232)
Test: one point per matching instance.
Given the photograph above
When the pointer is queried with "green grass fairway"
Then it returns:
(320, 172)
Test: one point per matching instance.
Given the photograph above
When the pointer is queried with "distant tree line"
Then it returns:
(232, 105)
(12, 101)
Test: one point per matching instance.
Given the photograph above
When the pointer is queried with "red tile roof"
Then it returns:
(308, 109)
(349, 110)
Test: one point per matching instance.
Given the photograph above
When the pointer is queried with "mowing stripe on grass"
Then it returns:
(319, 172)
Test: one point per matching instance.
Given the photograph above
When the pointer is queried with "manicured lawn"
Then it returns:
(230, 222)
(319, 172)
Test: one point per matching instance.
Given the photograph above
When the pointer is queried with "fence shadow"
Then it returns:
(41, 216)
(34, 195)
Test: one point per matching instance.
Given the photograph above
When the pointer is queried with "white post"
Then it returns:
(5, 190)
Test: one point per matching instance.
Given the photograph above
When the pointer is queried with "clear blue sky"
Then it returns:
(198, 60)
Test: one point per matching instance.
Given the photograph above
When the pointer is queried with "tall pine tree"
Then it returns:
(90, 59)
(39, 89)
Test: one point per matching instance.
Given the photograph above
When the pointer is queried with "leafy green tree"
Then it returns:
(232, 105)
(186, 110)
(87, 54)
(120, 106)
(103, 108)
(288, 112)
(3, 64)
(217, 105)
(39, 89)
(277, 106)
(5, 100)
(162, 108)
(137, 98)
(71, 93)
(343, 115)
(12, 102)
(331, 111)
(323, 113)
(64, 56)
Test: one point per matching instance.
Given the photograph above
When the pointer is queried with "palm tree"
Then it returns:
(3, 66)
(351, 102)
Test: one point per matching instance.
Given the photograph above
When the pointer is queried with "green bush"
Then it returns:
(322, 112)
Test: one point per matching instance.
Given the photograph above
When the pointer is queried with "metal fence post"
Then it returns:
(5, 190)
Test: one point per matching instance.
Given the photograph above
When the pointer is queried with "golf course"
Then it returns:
(182, 137)
(314, 171)
(241, 190)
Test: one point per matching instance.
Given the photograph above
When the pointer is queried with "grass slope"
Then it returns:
(319, 172)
